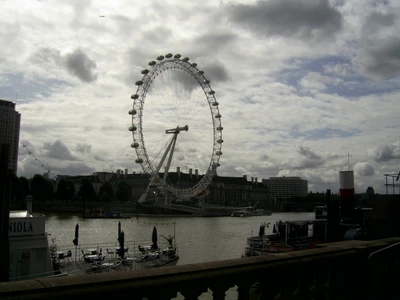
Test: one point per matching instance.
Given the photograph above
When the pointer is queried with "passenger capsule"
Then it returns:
(218, 116)
(220, 141)
(134, 96)
(145, 71)
(211, 92)
(132, 128)
(132, 112)
(215, 103)
(186, 59)
(206, 81)
(200, 72)
(134, 145)
(218, 153)
(160, 57)
(152, 63)
(220, 128)
(140, 82)
(169, 55)
(194, 65)
(139, 160)
(177, 56)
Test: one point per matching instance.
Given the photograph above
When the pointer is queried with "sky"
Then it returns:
(306, 88)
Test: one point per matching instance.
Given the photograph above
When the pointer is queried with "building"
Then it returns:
(284, 188)
(9, 131)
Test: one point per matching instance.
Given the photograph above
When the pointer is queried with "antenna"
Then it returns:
(348, 161)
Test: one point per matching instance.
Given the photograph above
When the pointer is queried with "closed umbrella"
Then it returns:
(119, 230)
(262, 230)
(154, 238)
(121, 240)
(75, 241)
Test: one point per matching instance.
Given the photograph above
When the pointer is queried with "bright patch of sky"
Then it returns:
(300, 83)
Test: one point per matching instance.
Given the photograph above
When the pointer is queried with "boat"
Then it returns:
(287, 236)
(250, 212)
(29, 250)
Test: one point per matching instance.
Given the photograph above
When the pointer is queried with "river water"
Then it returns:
(199, 239)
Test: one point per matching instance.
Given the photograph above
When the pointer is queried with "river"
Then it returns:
(199, 239)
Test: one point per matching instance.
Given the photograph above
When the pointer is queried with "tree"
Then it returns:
(106, 188)
(124, 192)
(86, 191)
(65, 190)
(25, 186)
(41, 188)
(17, 192)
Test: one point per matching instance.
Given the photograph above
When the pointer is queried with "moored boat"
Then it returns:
(287, 236)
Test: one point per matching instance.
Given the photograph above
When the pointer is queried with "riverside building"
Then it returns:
(9, 131)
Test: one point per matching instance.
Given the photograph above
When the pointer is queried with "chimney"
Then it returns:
(29, 204)
(256, 179)
(126, 172)
(118, 171)
(178, 170)
(245, 177)
(190, 172)
(252, 179)
(196, 172)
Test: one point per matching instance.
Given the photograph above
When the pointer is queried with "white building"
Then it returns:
(284, 188)
(9, 131)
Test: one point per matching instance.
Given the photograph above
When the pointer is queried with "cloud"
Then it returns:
(76, 63)
(58, 150)
(80, 65)
(83, 148)
(364, 169)
(309, 159)
(303, 19)
(385, 152)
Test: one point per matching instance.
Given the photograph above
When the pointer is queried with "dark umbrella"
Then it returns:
(154, 238)
(262, 230)
(121, 240)
(119, 230)
(75, 241)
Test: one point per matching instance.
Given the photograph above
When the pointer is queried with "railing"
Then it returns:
(342, 270)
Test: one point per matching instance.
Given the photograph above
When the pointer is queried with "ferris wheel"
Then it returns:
(176, 127)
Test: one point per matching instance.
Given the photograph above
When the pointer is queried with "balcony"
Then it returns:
(341, 270)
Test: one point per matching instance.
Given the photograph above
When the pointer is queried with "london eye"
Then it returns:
(176, 126)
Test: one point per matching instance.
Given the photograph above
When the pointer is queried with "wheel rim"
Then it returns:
(174, 92)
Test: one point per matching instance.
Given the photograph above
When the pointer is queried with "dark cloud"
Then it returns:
(84, 148)
(58, 150)
(303, 19)
(385, 152)
(77, 63)
(73, 168)
(310, 158)
(383, 59)
(377, 21)
(80, 65)
(364, 169)
(216, 72)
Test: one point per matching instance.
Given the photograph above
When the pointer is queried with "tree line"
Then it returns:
(42, 190)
